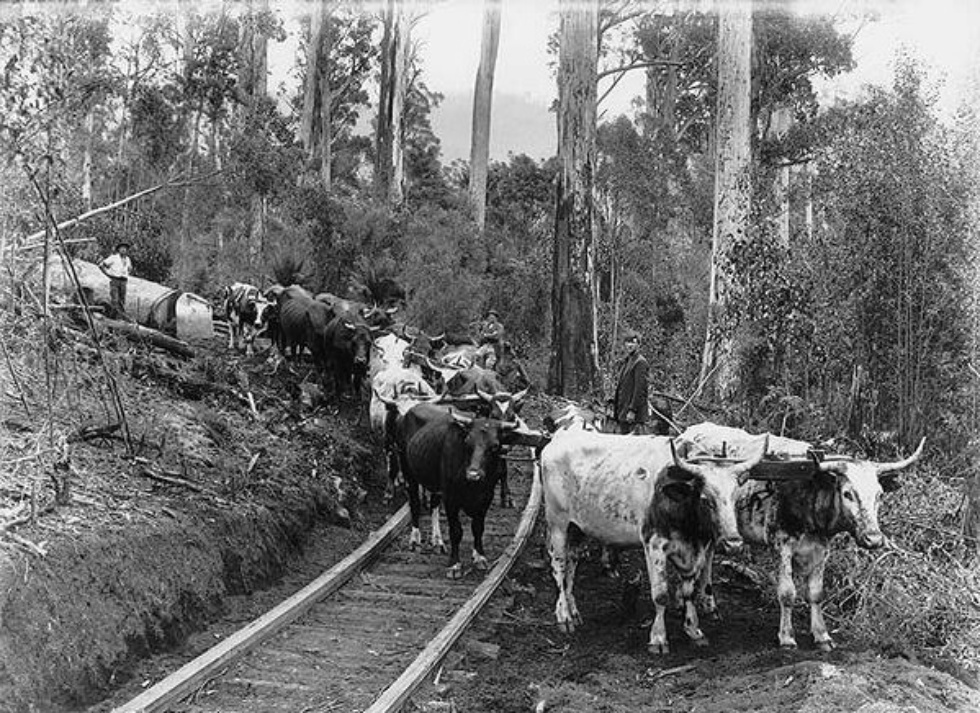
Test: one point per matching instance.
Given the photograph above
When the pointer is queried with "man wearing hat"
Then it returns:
(630, 404)
(117, 267)
(491, 339)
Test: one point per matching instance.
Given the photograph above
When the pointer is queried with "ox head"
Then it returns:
(483, 441)
(356, 337)
(856, 487)
(713, 482)
(504, 406)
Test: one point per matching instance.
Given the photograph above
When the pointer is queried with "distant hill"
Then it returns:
(520, 125)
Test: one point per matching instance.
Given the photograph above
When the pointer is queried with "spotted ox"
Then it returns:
(798, 518)
(245, 307)
(451, 455)
(630, 491)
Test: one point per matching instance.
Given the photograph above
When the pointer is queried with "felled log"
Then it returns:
(137, 333)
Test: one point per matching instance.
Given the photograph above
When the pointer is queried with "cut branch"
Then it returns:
(112, 206)
(640, 65)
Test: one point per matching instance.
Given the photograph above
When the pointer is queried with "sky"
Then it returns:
(944, 33)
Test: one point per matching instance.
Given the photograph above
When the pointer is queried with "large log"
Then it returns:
(149, 303)
(138, 333)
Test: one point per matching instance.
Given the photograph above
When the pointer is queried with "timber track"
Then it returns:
(365, 634)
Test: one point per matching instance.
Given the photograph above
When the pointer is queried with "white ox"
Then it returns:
(395, 388)
(798, 517)
(630, 491)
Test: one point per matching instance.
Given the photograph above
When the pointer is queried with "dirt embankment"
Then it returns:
(136, 562)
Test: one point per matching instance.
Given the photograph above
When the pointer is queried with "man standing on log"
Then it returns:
(117, 267)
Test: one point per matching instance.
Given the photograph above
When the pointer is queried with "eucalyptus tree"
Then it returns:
(574, 363)
(482, 103)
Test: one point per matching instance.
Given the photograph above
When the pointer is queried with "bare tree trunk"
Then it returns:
(186, 37)
(87, 159)
(326, 98)
(733, 184)
(389, 174)
(312, 79)
(782, 120)
(808, 171)
(255, 83)
(574, 363)
(482, 103)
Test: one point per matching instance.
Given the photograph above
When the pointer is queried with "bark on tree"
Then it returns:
(482, 102)
(733, 185)
(315, 131)
(389, 170)
(574, 364)
(779, 125)
(254, 78)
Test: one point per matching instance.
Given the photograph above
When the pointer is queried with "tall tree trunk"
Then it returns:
(254, 77)
(733, 185)
(482, 102)
(87, 159)
(311, 81)
(193, 119)
(389, 171)
(326, 133)
(779, 126)
(573, 370)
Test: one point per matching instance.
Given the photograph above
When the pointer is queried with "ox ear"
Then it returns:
(890, 482)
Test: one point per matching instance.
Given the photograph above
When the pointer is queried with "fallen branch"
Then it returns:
(171, 480)
(106, 208)
(31, 547)
(91, 433)
(139, 333)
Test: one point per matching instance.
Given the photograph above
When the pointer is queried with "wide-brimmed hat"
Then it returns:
(492, 311)
(122, 244)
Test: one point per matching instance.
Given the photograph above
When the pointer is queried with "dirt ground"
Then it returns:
(604, 666)
(139, 564)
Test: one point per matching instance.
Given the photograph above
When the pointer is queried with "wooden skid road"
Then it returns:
(368, 642)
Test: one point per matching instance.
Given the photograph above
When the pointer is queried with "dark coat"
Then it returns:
(631, 390)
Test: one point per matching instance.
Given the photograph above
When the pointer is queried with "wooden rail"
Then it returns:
(190, 676)
(398, 693)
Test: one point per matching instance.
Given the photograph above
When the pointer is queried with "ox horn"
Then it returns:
(391, 310)
(899, 465)
(485, 395)
(460, 418)
(519, 395)
(383, 399)
(742, 469)
(690, 469)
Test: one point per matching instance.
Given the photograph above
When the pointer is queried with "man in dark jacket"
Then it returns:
(630, 404)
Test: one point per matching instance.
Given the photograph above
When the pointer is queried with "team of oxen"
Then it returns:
(712, 487)
(447, 424)
(445, 420)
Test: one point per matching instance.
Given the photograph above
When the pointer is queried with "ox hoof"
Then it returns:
(480, 564)
(566, 627)
(455, 572)
(787, 645)
(660, 649)
(825, 646)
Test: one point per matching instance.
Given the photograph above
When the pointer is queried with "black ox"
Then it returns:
(453, 456)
